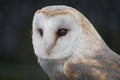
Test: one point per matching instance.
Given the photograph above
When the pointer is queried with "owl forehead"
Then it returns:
(56, 21)
(50, 13)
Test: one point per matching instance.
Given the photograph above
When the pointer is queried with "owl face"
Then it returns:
(54, 37)
(62, 31)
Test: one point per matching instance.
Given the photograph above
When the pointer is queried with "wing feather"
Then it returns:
(98, 68)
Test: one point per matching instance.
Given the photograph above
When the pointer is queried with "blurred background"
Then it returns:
(17, 58)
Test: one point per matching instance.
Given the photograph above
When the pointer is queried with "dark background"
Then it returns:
(17, 58)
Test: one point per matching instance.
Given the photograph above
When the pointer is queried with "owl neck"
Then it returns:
(90, 44)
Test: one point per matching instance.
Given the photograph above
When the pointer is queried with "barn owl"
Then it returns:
(69, 48)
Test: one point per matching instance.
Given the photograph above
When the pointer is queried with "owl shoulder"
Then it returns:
(83, 70)
(97, 68)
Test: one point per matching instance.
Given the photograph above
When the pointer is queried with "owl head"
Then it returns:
(61, 31)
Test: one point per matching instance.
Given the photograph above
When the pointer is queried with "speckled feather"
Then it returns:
(103, 66)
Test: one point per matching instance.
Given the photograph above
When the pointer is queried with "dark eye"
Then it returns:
(40, 31)
(62, 32)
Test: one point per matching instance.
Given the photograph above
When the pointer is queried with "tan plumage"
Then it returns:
(69, 48)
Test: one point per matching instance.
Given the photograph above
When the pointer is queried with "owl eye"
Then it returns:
(40, 31)
(62, 32)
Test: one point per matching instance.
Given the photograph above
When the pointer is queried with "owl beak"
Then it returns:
(49, 48)
(49, 45)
